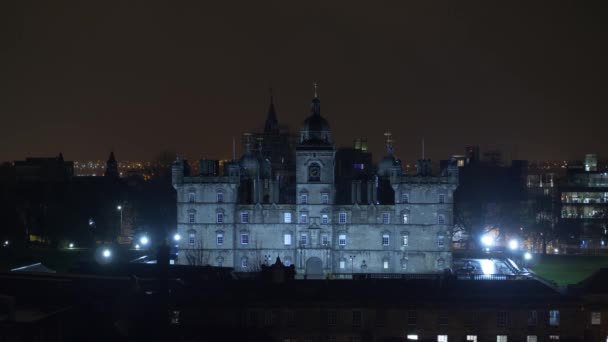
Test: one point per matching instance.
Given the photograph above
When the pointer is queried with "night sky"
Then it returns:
(142, 77)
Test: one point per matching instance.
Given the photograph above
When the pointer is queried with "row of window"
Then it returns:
(287, 218)
(219, 196)
(304, 198)
(405, 198)
(303, 241)
(499, 338)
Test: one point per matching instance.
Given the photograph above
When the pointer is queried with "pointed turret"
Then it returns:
(272, 123)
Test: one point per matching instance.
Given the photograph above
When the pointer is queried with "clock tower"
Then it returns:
(315, 193)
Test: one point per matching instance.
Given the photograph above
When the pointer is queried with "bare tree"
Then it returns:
(197, 255)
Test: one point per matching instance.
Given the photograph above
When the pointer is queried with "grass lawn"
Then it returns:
(568, 269)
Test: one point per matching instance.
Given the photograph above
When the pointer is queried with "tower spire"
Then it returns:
(272, 123)
(315, 87)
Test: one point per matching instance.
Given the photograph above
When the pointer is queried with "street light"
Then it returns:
(487, 240)
(513, 244)
(177, 237)
(137, 246)
(144, 240)
(71, 245)
(106, 253)
(6, 243)
(119, 208)
(527, 256)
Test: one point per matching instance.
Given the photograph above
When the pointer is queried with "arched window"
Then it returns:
(303, 216)
(219, 196)
(405, 216)
(386, 239)
(405, 197)
(405, 239)
(219, 216)
(385, 263)
(192, 216)
(440, 218)
(191, 237)
(192, 197)
(342, 263)
(440, 240)
(404, 263)
(220, 261)
(244, 263)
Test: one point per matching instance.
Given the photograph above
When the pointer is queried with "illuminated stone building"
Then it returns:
(303, 205)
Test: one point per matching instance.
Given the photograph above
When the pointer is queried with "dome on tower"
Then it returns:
(315, 129)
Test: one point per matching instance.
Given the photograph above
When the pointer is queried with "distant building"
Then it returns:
(53, 169)
(584, 204)
(326, 211)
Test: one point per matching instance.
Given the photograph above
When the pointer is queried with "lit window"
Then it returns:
(342, 218)
(342, 239)
(191, 217)
(220, 218)
(287, 217)
(220, 197)
(303, 199)
(287, 239)
(554, 337)
(386, 218)
(325, 219)
(412, 337)
(244, 217)
(303, 239)
(405, 198)
(244, 263)
(244, 238)
(442, 338)
(385, 240)
(385, 264)
(472, 338)
(192, 197)
(406, 218)
(191, 238)
(219, 239)
(405, 239)
(531, 338)
(440, 241)
(359, 166)
(554, 317)
(325, 240)
(441, 219)
(303, 217)
(325, 198)
(342, 264)
(501, 338)
(596, 318)
(441, 198)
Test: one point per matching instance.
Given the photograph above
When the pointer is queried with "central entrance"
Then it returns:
(314, 268)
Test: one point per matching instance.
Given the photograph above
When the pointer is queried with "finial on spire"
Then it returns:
(315, 86)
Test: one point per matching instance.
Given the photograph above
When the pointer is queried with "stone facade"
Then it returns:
(238, 219)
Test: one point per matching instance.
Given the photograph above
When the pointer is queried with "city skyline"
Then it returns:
(86, 79)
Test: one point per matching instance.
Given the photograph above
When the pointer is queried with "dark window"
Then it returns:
(502, 318)
(356, 318)
(443, 318)
(532, 318)
(332, 318)
(412, 318)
